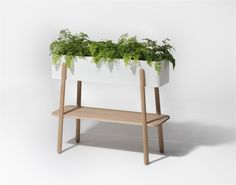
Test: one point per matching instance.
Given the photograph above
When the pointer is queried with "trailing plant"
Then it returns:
(127, 48)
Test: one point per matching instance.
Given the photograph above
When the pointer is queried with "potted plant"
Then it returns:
(109, 62)
(116, 63)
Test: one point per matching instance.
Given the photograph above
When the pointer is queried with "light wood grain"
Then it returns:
(61, 109)
(111, 115)
(144, 116)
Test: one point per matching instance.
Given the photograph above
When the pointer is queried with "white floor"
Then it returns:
(197, 152)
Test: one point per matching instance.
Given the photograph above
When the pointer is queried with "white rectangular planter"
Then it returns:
(113, 73)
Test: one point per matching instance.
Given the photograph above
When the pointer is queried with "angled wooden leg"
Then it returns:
(79, 87)
(159, 127)
(61, 108)
(143, 116)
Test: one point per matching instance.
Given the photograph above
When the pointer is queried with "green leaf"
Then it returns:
(127, 48)
(157, 66)
(69, 60)
(55, 59)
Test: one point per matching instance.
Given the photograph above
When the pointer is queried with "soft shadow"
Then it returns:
(70, 147)
(110, 66)
(156, 160)
(58, 64)
(99, 66)
(133, 65)
(179, 138)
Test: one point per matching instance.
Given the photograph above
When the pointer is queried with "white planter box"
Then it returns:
(113, 73)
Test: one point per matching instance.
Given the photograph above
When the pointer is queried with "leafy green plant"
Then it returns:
(127, 48)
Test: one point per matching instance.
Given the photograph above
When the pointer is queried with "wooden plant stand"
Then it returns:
(142, 118)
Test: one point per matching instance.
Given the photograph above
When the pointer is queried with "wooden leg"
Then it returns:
(143, 116)
(61, 109)
(157, 100)
(145, 145)
(159, 128)
(79, 88)
(77, 138)
(160, 137)
(60, 133)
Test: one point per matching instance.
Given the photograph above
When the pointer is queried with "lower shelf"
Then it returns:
(111, 115)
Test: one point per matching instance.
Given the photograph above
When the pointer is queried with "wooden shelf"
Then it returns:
(142, 118)
(111, 115)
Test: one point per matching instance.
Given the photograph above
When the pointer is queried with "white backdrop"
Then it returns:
(201, 90)
(201, 32)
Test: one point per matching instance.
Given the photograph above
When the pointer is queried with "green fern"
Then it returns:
(157, 66)
(69, 60)
(55, 58)
(127, 48)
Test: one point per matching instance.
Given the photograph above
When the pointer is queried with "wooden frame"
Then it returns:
(78, 103)
(142, 118)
